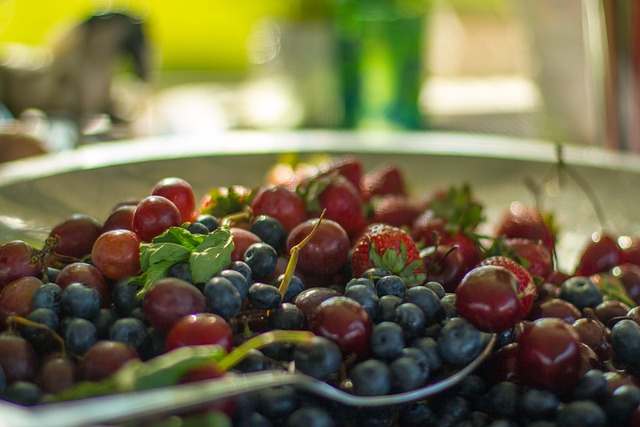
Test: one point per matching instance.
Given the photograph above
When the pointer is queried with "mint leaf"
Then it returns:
(207, 255)
(211, 256)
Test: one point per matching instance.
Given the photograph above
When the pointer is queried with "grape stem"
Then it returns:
(13, 320)
(293, 259)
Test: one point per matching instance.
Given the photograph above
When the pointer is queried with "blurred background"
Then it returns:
(503, 67)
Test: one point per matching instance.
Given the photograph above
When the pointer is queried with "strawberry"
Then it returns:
(394, 209)
(535, 256)
(527, 291)
(385, 246)
(386, 179)
(341, 200)
(528, 222)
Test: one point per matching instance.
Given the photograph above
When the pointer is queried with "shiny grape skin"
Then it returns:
(88, 274)
(280, 203)
(104, 358)
(121, 218)
(200, 329)
(169, 299)
(15, 262)
(16, 299)
(180, 193)
(153, 216)
(116, 254)
(326, 252)
(77, 235)
(345, 322)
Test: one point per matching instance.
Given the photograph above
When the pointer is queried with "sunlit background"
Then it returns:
(256, 64)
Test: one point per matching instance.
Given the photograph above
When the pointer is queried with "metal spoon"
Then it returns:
(111, 408)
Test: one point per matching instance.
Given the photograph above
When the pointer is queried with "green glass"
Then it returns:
(380, 55)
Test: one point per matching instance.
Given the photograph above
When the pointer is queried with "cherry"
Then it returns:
(281, 203)
(200, 329)
(16, 262)
(180, 193)
(549, 355)
(488, 297)
(326, 252)
(77, 235)
(345, 322)
(601, 254)
(555, 308)
(444, 264)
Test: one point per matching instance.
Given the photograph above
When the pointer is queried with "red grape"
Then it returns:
(180, 193)
(16, 299)
(326, 252)
(200, 329)
(57, 373)
(16, 262)
(242, 239)
(116, 254)
(153, 216)
(77, 234)
(280, 203)
(121, 218)
(170, 299)
(104, 358)
(18, 359)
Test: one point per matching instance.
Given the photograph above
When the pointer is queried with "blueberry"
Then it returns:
(581, 413)
(625, 341)
(411, 318)
(592, 386)
(209, 221)
(459, 342)
(361, 281)
(319, 358)
(262, 259)
(288, 317)
(429, 347)
(130, 331)
(391, 285)
(103, 321)
(238, 280)
(581, 292)
(406, 374)
(47, 296)
(448, 304)
(437, 288)
(270, 231)
(223, 298)
(503, 399)
(181, 270)
(454, 409)
(242, 268)
(79, 300)
(277, 402)
(79, 335)
(124, 296)
(387, 340)
(371, 378)
(426, 299)
(296, 285)
(472, 387)
(310, 416)
(38, 336)
(263, 296)
(538, 404)
(420, 357)
(374, 274)
(620, 405)
(417, 414)
(254, 361)
(197, 228)
(387, 308)
(23, 393)
(365, 297)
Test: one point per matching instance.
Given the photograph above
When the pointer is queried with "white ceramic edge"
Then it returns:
(256, 142)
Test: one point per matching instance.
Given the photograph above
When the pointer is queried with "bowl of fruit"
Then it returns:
(301, 279)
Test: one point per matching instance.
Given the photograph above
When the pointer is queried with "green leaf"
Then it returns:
(211, 256)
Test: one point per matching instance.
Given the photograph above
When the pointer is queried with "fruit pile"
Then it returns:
(337, 273)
